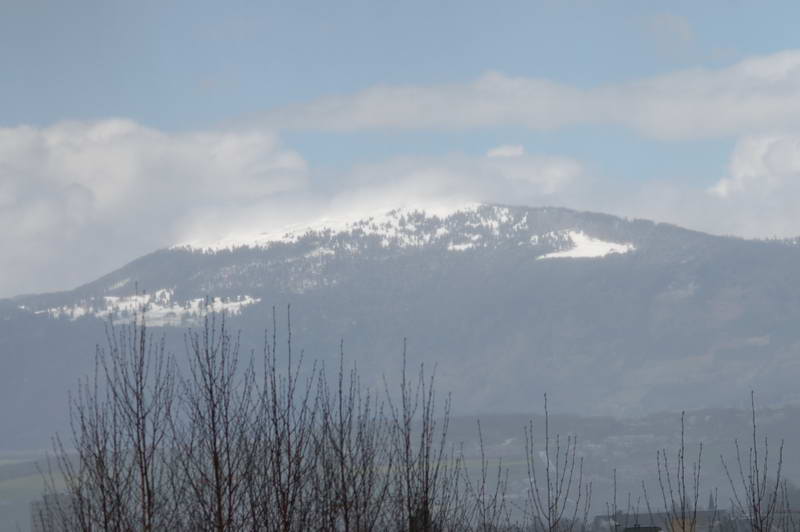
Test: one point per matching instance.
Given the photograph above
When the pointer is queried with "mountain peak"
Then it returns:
(454, 227)
(307, 257)
(347, 222)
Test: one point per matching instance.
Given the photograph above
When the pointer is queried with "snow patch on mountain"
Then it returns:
(161, 309)
(455, 229)
(585, 246)
(396, 226)
(460, 247)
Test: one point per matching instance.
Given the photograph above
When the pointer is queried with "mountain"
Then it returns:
(610, 316)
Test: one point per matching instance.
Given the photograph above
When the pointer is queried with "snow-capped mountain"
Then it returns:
(457, 229)
(607, 314)
(309, 253)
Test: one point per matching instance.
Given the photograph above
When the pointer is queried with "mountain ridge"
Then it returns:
(660, 318)
(351, 225)
(345, 225)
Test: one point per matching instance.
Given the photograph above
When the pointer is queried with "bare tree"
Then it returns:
(787, 520)
(141, 377)
(756, 495)
(425, 496)
(559, 500)
(680, 500)
(281, 476)
(622, 519)
(353, 455)
(120, 476)
(221, 449)
(488, 510)
(212, 430)
(95, 472)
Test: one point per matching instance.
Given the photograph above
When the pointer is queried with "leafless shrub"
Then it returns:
(487, 496)
(756, 495)
(679, 499)
(425, 476)
(212, 439)
(560, 500)
(352, 480)
(622, 519)
(227, 447)
(120, 478)
(280, 485)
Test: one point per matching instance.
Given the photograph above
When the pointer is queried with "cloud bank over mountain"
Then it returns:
(92, 195)
(88, 196)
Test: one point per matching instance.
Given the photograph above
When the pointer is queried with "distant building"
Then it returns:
(705, 521)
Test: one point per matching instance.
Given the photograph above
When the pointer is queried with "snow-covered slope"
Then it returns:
(391, 224)
(456, 229)
(306, 257)
(160, 307)
(585, 247)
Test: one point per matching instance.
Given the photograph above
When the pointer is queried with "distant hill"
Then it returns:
(611, 316)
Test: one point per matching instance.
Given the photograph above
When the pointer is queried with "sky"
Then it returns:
(126, 127)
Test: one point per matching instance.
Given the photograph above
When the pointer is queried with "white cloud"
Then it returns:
(80, 198)
(549, 174)
(762, 165)
(514, 150)
(457, 179)
(539, 180)
(758, 93)
(758, 197)
(766, 171)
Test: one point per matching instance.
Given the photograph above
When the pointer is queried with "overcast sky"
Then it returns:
(127, 127)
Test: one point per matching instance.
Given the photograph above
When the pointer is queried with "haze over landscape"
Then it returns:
(596, 201)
